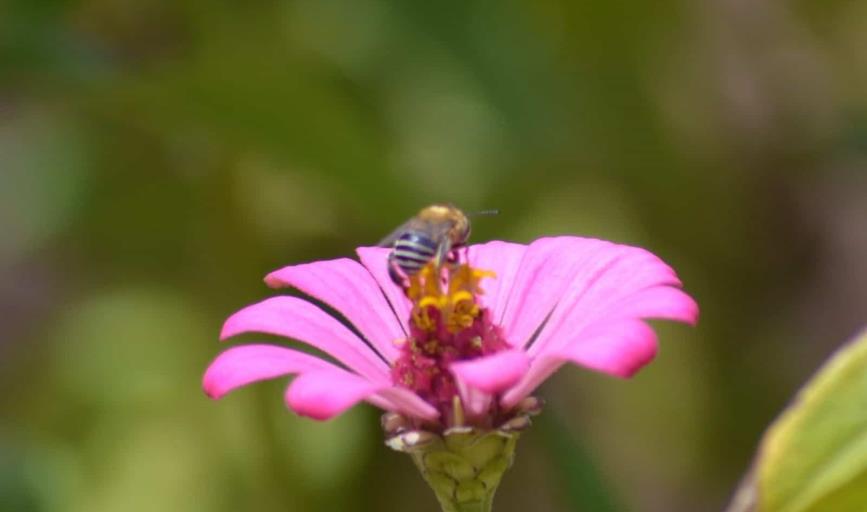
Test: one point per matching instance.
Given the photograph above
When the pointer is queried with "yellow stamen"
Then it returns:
(467, 278)
(456, 304)
(422, 319)
(464, 311)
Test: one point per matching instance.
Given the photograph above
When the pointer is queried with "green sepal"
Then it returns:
(463, 465)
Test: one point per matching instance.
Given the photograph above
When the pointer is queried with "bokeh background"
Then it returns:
(158, 158)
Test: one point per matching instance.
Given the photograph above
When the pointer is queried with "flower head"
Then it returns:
(464, 346)
(454, 356)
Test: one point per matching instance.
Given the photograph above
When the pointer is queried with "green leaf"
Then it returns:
(814, 457)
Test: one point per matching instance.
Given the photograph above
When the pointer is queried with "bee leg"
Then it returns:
(454, 256)
(443, 255)
(394, 272)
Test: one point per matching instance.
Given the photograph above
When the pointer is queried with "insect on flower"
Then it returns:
(433, 235)
(453, 352)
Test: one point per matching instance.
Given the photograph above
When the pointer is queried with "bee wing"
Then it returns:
(392, 237)
(436, 230)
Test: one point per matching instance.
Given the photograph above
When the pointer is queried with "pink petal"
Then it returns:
(347, 287)
(493, 373)
(479, 379)
(619, 348)
(548, 269)
(322, 395)
(503, 258)
(597, 322)
(660, 303)
(321, 391)
(404, 401)
(476, 402)
(603, 289)
(375, 259)
(298, 319)
(325, 394)
(242, 365)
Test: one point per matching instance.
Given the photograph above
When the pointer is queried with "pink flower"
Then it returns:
(558, 300)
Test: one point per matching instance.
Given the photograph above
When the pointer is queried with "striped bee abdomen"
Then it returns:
(411, 251)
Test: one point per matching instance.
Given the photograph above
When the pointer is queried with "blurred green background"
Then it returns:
(158, 158)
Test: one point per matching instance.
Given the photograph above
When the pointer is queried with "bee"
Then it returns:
(433, 234)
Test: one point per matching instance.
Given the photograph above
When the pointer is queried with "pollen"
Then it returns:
(450, 300)
(431, 347)
(447, 324)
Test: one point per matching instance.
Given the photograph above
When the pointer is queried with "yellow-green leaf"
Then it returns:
(814, 456)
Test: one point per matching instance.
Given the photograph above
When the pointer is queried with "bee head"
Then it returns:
(461, 230)
(459, 223)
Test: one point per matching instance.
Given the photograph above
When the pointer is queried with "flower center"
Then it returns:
(447, 324)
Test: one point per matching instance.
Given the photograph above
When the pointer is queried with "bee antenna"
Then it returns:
(484, 212)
